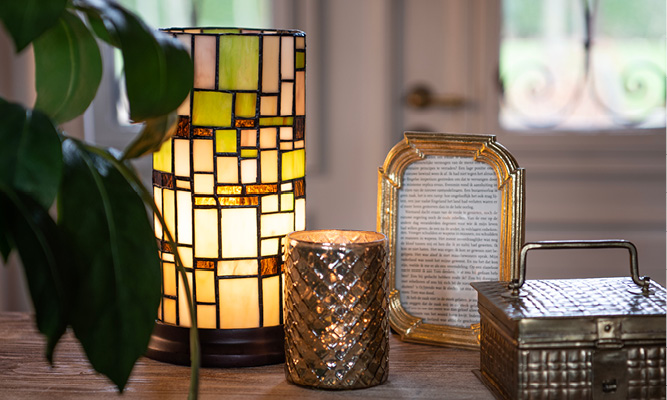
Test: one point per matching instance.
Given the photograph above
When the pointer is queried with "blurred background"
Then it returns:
(575, 89)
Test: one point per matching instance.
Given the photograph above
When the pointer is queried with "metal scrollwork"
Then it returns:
(532, 93)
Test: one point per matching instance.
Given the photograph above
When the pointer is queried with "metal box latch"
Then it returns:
(609, 362)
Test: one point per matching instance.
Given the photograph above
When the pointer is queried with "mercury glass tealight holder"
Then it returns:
(231, 185)
(336, 322)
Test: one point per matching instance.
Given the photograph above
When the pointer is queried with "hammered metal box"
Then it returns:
(601, 338)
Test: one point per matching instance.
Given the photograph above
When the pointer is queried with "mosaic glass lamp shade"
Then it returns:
(231, 185)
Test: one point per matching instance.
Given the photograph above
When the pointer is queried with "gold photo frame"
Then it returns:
(452, 208)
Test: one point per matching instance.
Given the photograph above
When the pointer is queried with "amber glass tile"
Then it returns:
(202, 132)
(300, 42)
(244, 123)
(205, 264)
(269, 266)
(157, 178)
(166, 247)
(238, 201)
(299, 188)
(261, 189)
(205, 201)
(183, 128)
(168, 181)
(229, 189)
(299, 128)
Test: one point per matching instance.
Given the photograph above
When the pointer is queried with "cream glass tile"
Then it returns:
(286, 187)
(238, 232)
(203, 183)
(169, 210)
(183, 309)
(270, 59)
(239, 303)
(300, 93)
(286, 98)
(204, 62)
(287, 58)
(248, 138)
(169, 278)
(182, 157)
(206, 233)
(300, 214)
(206, 316)
(268, 105)
(202, 155)
(184, 219)
(227, 170)
(270, 203)
(237, 267)
(185, 253)
(286, 133)
(271, 300)
(169, 308)
(249, 171)
(269, 247)
(277, 224)
(269, 165)
(267, 138)
(157, 226)
(205, 286)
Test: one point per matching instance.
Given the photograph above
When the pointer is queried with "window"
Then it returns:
(583, 64)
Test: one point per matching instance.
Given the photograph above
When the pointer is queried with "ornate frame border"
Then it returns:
(511, 182)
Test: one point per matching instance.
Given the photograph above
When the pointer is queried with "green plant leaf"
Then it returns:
(68, 69)
(45, 261)
(116, 304)
(30, 154)
(6, 243)
(25, 20)
(158, 69)
(154, 133)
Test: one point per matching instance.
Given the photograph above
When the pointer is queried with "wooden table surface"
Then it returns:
(415, 372)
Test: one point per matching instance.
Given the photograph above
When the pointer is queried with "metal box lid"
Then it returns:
(574, 298)
(575, 310)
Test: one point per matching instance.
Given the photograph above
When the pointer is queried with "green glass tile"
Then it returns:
(225, 141)
(249, 153)
(162, 157)
(268, 121)
(212, 109)
(287, 202)
(239, 63)
(300, 59)
(293, 164)
(246, 104)
(217, 30)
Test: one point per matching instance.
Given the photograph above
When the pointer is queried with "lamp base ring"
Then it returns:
(226, 348)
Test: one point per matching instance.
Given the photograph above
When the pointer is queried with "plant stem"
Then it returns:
(130, 175)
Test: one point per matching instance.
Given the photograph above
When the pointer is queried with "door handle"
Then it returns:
(421, 96)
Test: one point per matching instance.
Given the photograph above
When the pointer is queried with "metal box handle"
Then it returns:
(643, 282)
